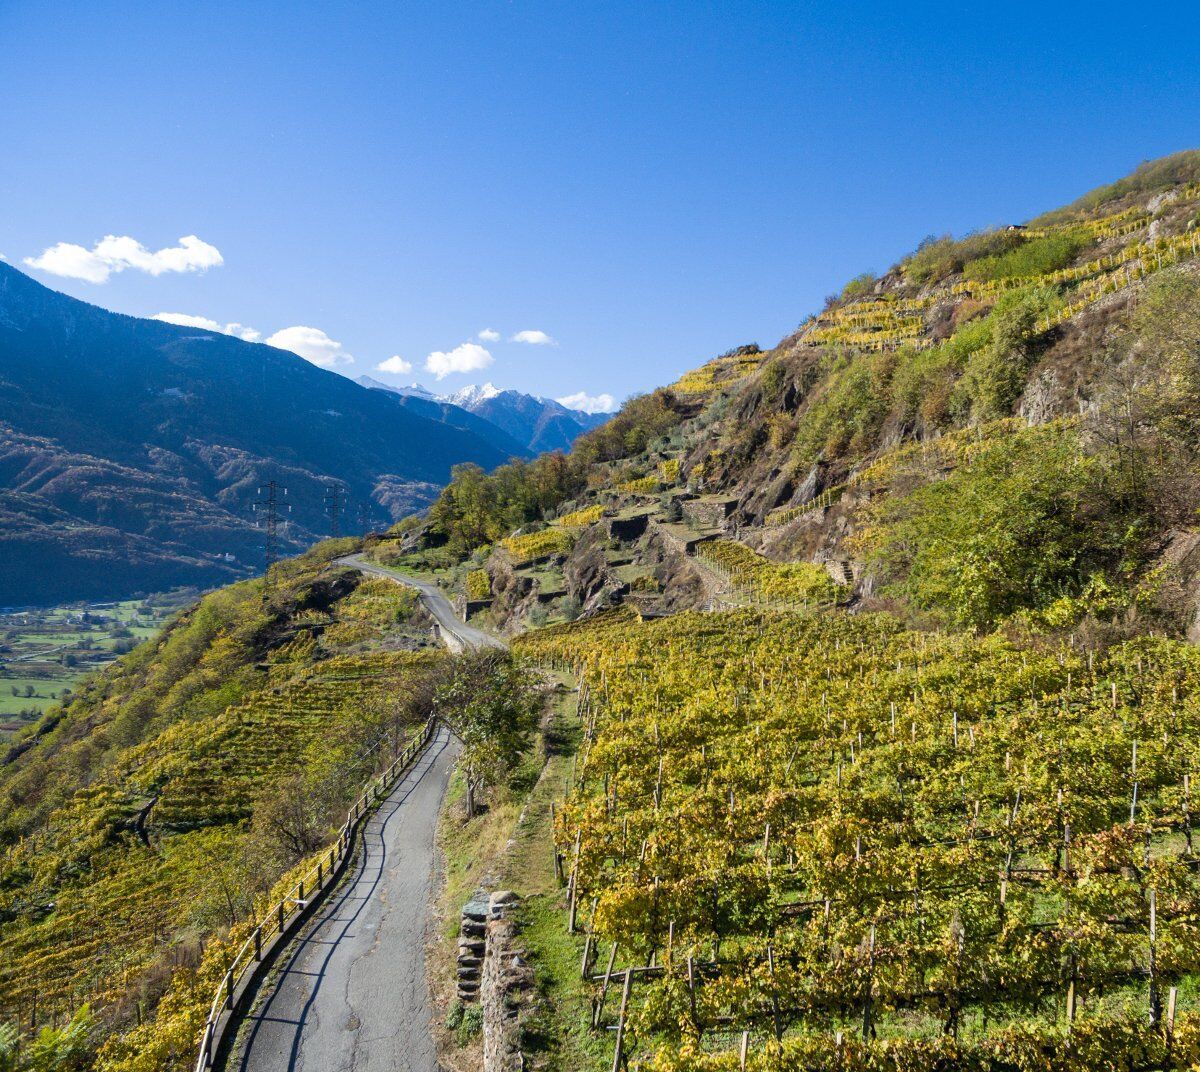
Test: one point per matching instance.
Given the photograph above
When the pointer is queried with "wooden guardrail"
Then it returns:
(284, 917)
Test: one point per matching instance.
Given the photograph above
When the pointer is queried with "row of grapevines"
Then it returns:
(795, 582)
(531, 546)
(805, 821)
(479, 585)
(587, 515)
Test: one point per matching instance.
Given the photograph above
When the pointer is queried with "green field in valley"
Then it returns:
(45, 651)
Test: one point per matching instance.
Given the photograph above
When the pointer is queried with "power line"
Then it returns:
(267, 509)
(334, 506)
(364, 517)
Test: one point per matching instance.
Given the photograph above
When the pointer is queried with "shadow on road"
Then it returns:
(329, 929)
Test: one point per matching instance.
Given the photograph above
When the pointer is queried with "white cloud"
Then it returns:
(115, 253)
(72, 262)
(581, 400)
(469, 357)
(534, 338)
(186, 320)
(489, 335)
(312, 344)
(396, 365)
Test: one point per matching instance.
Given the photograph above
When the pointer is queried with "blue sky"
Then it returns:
(645, 184)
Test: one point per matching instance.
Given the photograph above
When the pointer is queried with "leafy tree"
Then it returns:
(1024, 522)
(294, 820)
(491, 703)
(477, 508)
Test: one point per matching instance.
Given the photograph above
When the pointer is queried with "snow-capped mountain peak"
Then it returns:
(413, 389)
(472, 395)
(536, 423)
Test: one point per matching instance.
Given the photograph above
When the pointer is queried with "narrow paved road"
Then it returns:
(455, 632)
(351, 994)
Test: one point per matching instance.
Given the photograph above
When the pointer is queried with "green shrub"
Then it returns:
(1151, 176)
(466, 1021)
(1024, 522)
(936, 258)
(1032, 258)
(845, 419)
(995, 373)
(923, 379)
(859, 287)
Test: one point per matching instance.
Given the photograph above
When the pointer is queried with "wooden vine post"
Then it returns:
(1155, 996)
(619, 1052)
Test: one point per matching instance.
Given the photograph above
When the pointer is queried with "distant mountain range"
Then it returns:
(417, 400)
(537, 424)
(131, 450)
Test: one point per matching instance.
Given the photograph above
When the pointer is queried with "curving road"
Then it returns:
(351, 994)
(456, 634)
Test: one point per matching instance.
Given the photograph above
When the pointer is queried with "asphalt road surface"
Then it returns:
(456, 633)
(351, 994)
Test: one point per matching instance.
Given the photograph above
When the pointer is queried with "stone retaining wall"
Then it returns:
(507, 980)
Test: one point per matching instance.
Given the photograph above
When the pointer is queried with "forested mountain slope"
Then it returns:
(131, 450)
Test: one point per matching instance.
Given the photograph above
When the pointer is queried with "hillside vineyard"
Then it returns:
(851, 722)
(828, 830)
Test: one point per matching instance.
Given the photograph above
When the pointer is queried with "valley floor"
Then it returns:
(46, 651)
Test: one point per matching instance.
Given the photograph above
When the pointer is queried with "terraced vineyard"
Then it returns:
(479, 585)
(581, 518)
(721, 370)
(172, 841)
(824, 841)
(753, 577)
(531, 546)
(891, 321)
(642, 485)
(149, 836)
